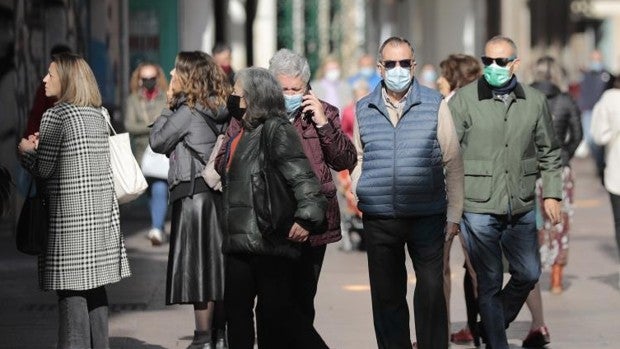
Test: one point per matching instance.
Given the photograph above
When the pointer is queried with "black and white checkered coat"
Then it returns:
(85, 246)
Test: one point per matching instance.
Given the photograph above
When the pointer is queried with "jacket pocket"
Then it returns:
(528, 183)
(478, 180)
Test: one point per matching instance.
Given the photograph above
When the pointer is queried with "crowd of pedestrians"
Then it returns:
(408, 164)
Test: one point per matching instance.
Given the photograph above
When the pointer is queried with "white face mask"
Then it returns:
(332, 75)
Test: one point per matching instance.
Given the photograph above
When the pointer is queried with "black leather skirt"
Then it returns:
(195, 261)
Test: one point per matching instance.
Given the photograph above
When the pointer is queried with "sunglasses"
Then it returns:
(403, 63)
(502, 62)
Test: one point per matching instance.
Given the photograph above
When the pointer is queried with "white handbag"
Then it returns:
(129, 182)
(154, 164)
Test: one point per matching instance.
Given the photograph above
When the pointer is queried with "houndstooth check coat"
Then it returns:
(85, 246)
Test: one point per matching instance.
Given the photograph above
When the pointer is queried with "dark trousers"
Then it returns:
(386, 240)
(487, 237)
(615, 208)
(83, 319)
(279, 322)
(306, 278)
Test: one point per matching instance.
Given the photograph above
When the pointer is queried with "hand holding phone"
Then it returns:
(312, 106)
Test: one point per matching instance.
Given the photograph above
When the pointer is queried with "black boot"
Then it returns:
(202, 340)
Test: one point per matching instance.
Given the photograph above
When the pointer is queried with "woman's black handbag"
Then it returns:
(274, 200)
(32, 226)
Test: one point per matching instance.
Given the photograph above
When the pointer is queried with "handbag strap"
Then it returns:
(106, 116)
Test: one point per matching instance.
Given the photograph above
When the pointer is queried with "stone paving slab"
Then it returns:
(586, 315)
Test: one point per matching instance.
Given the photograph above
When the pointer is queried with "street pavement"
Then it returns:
(585, 315)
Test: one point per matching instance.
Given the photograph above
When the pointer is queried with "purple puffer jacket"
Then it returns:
(326, 148)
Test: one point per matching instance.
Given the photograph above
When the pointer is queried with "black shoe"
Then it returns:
(537, 338)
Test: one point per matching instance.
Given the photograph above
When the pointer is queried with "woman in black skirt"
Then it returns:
(186, 132)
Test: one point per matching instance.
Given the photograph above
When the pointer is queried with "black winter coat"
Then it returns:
(566, 118)
(242, 234)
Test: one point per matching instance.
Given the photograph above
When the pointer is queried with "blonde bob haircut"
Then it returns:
(162, 82)
(78, 85)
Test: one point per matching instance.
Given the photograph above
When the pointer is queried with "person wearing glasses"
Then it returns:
(409, 185)
(507, 140)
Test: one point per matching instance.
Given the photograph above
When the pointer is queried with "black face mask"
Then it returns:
(232, 104)
(149, 84)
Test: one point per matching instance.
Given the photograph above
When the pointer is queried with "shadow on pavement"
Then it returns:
(131, 343)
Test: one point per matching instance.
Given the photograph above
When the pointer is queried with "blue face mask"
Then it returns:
(397, 79)
(292, 102)
(367, 71)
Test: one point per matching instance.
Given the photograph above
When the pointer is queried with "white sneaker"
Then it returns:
(156, 236)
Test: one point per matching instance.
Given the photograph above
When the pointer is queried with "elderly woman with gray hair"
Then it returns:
(261, 263)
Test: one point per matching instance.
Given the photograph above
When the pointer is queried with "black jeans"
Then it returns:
(615, 208)
(279, 322)
(83, 319)
(306, 278)
(386, 240)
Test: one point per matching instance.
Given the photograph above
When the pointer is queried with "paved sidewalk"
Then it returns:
(586, 315)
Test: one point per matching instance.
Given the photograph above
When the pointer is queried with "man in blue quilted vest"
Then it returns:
(507, 140)
(409, 184)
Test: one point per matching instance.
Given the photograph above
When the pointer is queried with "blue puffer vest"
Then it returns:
(402, 172)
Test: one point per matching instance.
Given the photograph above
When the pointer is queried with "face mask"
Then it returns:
(332, 75)
(232, 104)
(397, 79)
(367, 72)
(149, 84)
(596, 66)
(429, 76)
(497, 76)
(292, 102)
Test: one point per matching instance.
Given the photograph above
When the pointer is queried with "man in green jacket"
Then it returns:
(507, 140)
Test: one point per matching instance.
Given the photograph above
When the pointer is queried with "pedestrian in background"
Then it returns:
(222, 54)
(85, 249)
(329, 86)
(553, 238)
(405, 142)
(366, 71)
(596, 79)
(606, 132)
(457, 71)
(318, 125)
(265, 266)
(507, 139)
(148, 87)
(186, 133)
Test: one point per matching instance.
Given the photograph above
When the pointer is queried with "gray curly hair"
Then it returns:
(288, 63)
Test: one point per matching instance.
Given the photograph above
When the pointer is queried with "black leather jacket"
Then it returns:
(566, 118)
(241, 231)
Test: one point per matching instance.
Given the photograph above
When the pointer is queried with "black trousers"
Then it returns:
(423, 238)
(615, 209)
(279, 322)
(306, 278)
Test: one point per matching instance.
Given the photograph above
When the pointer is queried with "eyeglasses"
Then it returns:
(502, 62)
(403, 63)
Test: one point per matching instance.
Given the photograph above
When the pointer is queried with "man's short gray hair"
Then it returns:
(288, 63)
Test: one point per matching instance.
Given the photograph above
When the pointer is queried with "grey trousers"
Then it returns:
(83, 319)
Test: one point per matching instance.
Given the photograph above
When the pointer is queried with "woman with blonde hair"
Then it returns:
(70, 155)
(186, 133)
(147, 99)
